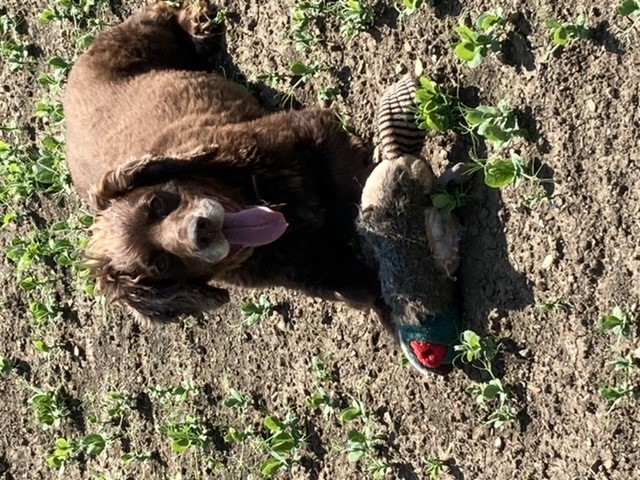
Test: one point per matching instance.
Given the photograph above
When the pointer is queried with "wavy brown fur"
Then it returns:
(143, 120)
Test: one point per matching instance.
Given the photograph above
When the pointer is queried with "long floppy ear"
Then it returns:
(166, 304)
(148, 170)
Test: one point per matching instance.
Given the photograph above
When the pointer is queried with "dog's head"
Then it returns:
(164, 229)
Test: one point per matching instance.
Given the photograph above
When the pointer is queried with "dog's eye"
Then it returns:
(163, 262)
(162, 204)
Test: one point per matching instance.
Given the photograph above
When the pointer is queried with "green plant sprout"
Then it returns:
(303, 17)
(66, 450)
(283, 445)
(499, 173)
(408, 7)
(629, 9)
(49, 407)
(134, 457)
(554, 304)
(298, 75)
(499, 124)
(6, 366)
(175, 395)
(618, 322)
(253, 312)
(12, 49)
(562, 34)
(186, 434)
(236, 400)
(355, 16)
(448, 201)
(379, 468)
(434, 467)
(485, 36)
(434, 107)
(614, 394)
(492, 395)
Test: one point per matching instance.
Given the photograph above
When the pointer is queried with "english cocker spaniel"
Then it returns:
(196, 186)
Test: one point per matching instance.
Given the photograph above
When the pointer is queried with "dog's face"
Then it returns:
(155, 247)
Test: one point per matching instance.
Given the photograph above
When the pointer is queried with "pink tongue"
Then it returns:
(253, 227)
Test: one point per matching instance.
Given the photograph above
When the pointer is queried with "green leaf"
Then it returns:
(628, 7)
(466, 51)
(273, 424)
(355, 436)
(498, 173)
(270, 467)
(560, 36)
(466, 34)
(355, 455)
(95, 444)
(299, 68)
(350, 413)
(440, 200)
(180, 445)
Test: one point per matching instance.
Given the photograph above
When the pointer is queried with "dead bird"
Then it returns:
(415, 245)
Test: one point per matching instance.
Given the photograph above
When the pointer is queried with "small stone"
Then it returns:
(407, 47)
(524, 353)
(591, 105)
(608, 464)
(418, 68)
(498, 443)
(400, 69)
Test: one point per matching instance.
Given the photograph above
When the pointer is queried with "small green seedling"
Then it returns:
(562, 34)
(235, 436)
(6, 366)
(66, 450)
(174, 395)
(253, 312)
(615, 394)
(321, 399)
(499, 173)
(354, 16)
(624, 364)
(236, 399)
(448, 201)
(629, 8)
(283, 445)
(617, 322)
(134, 457)
(434, 467)
(187, 434)
(554, 305)
(499, 124)
(49, 407)
(379, 469)
(493, 395)
(409, 7)
(434, 107)
(304, 32)
(477, 42)
(43, 347)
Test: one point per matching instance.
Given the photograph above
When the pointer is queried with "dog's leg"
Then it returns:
(161, 37)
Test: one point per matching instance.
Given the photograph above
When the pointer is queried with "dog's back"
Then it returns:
(126, 99)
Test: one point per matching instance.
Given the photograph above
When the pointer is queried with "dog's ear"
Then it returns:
(148, 170)
(165, 304)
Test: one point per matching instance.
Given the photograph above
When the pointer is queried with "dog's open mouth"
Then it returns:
(253, 227)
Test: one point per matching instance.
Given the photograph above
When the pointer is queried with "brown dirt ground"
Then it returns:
(582, 110)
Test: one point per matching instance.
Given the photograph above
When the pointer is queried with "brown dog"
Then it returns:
(195, 183)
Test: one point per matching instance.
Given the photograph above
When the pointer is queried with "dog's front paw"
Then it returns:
(204, 22)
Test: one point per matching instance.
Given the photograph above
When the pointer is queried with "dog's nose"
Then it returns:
(202, 232)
